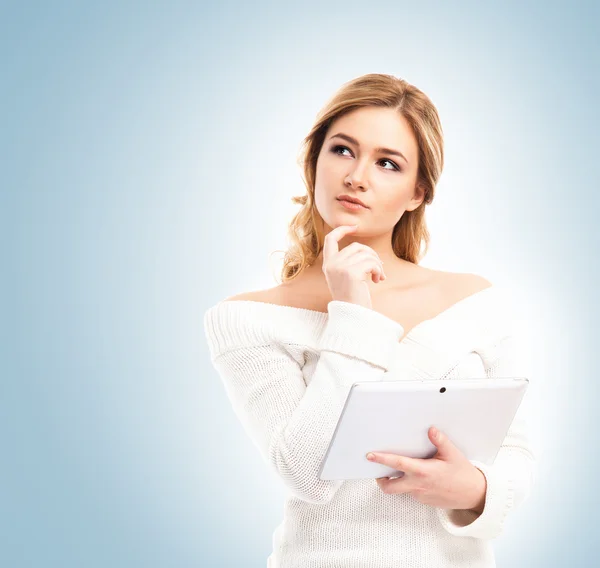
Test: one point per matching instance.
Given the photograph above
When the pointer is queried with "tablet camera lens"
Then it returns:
(443, 389)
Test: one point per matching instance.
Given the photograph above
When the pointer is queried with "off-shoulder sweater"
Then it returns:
(287, 372)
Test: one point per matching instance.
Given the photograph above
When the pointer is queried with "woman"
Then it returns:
(354, 302)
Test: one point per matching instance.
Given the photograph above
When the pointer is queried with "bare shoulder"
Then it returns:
(309, 294)
(462, 284)
(269, 295)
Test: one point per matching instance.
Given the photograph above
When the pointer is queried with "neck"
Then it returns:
(396, 270)
(390, 262)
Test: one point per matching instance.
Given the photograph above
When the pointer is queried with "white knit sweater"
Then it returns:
(287, 372)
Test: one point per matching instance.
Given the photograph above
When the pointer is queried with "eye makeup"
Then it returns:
(337, 147)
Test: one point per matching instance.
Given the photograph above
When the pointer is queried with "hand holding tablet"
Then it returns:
(448, 480)
(394, 418)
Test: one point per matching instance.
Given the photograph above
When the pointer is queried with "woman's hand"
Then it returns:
(347, 270)
(447, 480)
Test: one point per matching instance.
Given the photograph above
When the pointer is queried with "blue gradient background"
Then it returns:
(148, 162)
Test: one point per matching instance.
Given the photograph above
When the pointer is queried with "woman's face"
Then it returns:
(382, 180)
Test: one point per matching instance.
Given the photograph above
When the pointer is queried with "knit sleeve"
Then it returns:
(291, 423)
(510, 477)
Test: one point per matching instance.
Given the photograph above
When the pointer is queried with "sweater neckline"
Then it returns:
(319, 317)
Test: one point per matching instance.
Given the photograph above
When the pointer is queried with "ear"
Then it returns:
(417, 199)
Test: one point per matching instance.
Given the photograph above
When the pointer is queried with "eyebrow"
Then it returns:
(382, 150)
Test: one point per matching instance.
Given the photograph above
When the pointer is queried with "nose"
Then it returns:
(357, 177)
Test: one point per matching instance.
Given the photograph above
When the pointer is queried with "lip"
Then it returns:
(351, 200)
(351, 206)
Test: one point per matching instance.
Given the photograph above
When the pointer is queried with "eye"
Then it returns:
(335, 150)
(390, 161)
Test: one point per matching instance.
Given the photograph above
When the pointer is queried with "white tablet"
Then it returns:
(395, 416)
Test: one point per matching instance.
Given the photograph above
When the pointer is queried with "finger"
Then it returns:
(349, 253)
(394, 486)
(380, 275)
(375, 255)
(362, 255)
(375, 270)
(330, 243)
(355, 248)
(401, 463)
(367, 263)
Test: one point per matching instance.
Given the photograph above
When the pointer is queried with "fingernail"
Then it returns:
(370, 456)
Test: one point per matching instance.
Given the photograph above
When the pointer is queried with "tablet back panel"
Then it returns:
(395, 416)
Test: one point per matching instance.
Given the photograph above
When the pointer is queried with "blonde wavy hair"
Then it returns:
(410, 237)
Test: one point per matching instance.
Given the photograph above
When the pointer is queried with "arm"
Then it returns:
(291, 423)
(510, 477)
(478, 509)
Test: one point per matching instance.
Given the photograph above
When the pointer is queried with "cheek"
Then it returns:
(398, 199)
(389, 209)
(328, 181)
(328, 170)
(323, 175)
(323, 195)
(392, 206)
